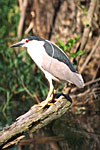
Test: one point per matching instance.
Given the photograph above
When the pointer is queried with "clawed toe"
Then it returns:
(43, 104)
(49, 101)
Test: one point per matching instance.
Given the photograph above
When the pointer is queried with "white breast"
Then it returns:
(36, 51)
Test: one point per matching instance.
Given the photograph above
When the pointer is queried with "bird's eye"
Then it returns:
(27, 41)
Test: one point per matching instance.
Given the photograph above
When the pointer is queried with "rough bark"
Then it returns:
(31, 121)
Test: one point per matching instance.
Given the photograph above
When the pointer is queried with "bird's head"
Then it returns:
(23, 43)
(27, 41)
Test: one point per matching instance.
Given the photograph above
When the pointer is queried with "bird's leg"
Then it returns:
(49, 96)
(54, 92)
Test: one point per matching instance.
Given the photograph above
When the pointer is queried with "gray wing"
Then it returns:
(61, 71)
(55, 52)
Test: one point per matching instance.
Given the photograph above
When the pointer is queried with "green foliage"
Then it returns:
(14, 73)
(79, 53)
(9, 17)
(16, 69)
(68, 46)
(8, 25)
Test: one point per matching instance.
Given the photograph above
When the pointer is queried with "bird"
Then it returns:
(53, 61)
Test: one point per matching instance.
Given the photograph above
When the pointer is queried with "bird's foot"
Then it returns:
(45, 103)
(50, 100)
(57, 95)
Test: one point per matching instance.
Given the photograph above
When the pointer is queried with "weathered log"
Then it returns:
(31, 121)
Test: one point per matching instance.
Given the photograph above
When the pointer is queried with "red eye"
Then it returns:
(27, 41)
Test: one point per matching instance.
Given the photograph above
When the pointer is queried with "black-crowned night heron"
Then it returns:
(52, 61)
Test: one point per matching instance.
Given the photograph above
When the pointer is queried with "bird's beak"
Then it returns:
(17, 44)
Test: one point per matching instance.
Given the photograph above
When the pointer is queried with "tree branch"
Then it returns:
(31, 121)
(89, 24)
(90, 55)
(23, 6)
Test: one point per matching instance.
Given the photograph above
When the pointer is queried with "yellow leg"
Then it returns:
(50, 94)
(48, 99)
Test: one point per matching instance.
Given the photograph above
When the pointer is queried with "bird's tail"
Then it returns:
(78, 80)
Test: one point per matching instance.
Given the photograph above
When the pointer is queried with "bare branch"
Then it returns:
(23, 7)
(29, 28)
(29, 93)
(32, 120)
(21, 4)
(89, 24)
(90, 55)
